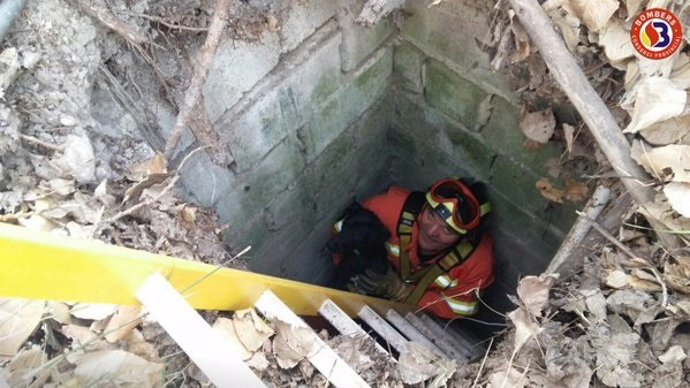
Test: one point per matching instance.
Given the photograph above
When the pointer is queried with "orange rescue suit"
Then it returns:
(453, 294)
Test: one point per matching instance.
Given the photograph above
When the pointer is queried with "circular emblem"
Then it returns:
(656, 33)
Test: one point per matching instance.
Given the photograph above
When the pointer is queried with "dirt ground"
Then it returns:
(80, 155)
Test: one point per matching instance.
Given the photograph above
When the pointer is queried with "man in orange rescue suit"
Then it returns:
(439, 258)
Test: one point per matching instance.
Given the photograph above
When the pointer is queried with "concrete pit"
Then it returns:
(326, 110)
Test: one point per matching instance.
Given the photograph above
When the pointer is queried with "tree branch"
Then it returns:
(208, 50)
(596, 115)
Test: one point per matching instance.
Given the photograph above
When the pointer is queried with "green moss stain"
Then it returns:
(452, 94)
(377, 74)
(327, 84)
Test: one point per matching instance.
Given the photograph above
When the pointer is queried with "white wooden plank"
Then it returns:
(3, 382)
(210, 351)
(324, 359)
(437, 337)
(459, 339)
(411, 333)
(384, 329)
(344, 324)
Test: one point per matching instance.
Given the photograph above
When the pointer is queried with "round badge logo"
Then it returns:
(656, 33)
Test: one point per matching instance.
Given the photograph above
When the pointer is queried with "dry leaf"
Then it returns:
(538, 126)
(258, 361)
(419, 364)
(522, 46)
(643, 281)
(569, 134)
(9, 60)
(614, 359)
(251, 330)
(188, 214)
(18, 320)
(678, 194)
(668, 161)
(617, 279)
(38, 223)
(632, 76)
(549, 192)
(118, 368)
(616, 42)
(634, 7)
(668, 131)
(656, 67)
(78, 159)
(136, 344)
(657, 99)
(93, 311)
(534, 292)
(122, 323)
(79, 334)
(272, 23)
(23, 370)
(508, 378)
(665, 214)
(595, 302)
(576, 191)
(629, 302)
(525, 327)
(63, 187)
(291, 344)
(154, 166)
(674, 354)
(568, 25)
(594, 14)
(60, 312)
(225, 327)
(680, 73)
(134, 192)
(684, 16)
(677, 276)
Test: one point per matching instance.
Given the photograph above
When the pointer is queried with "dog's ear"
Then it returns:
(352, 209)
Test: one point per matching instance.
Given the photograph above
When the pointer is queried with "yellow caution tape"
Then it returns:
(40, 265)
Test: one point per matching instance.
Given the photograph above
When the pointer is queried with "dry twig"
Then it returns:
(208, 50)
(112, 22)
(631, 254)
(607, 235)
(481, 367)
(168, 24)
(34, 140)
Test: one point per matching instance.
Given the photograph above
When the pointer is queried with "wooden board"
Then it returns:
(384, 329)
(324, 359)
(344, 324)
(210, 351)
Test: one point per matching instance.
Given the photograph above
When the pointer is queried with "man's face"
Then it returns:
(435, 235)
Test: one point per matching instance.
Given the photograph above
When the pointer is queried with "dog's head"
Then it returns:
(362, 233)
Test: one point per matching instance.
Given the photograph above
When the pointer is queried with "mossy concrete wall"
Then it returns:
(325, 110)
(303, 115)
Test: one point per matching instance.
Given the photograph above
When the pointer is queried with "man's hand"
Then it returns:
(387, 285)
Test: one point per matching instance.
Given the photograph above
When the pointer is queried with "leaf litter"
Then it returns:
(619, 319)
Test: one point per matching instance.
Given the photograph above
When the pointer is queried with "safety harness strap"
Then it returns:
(413, 205)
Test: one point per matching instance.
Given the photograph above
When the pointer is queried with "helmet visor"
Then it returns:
(455, 204)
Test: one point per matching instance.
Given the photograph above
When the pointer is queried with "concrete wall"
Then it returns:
(303, 114)
(326, 110)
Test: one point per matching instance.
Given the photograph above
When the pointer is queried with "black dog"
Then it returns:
(361, 242)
